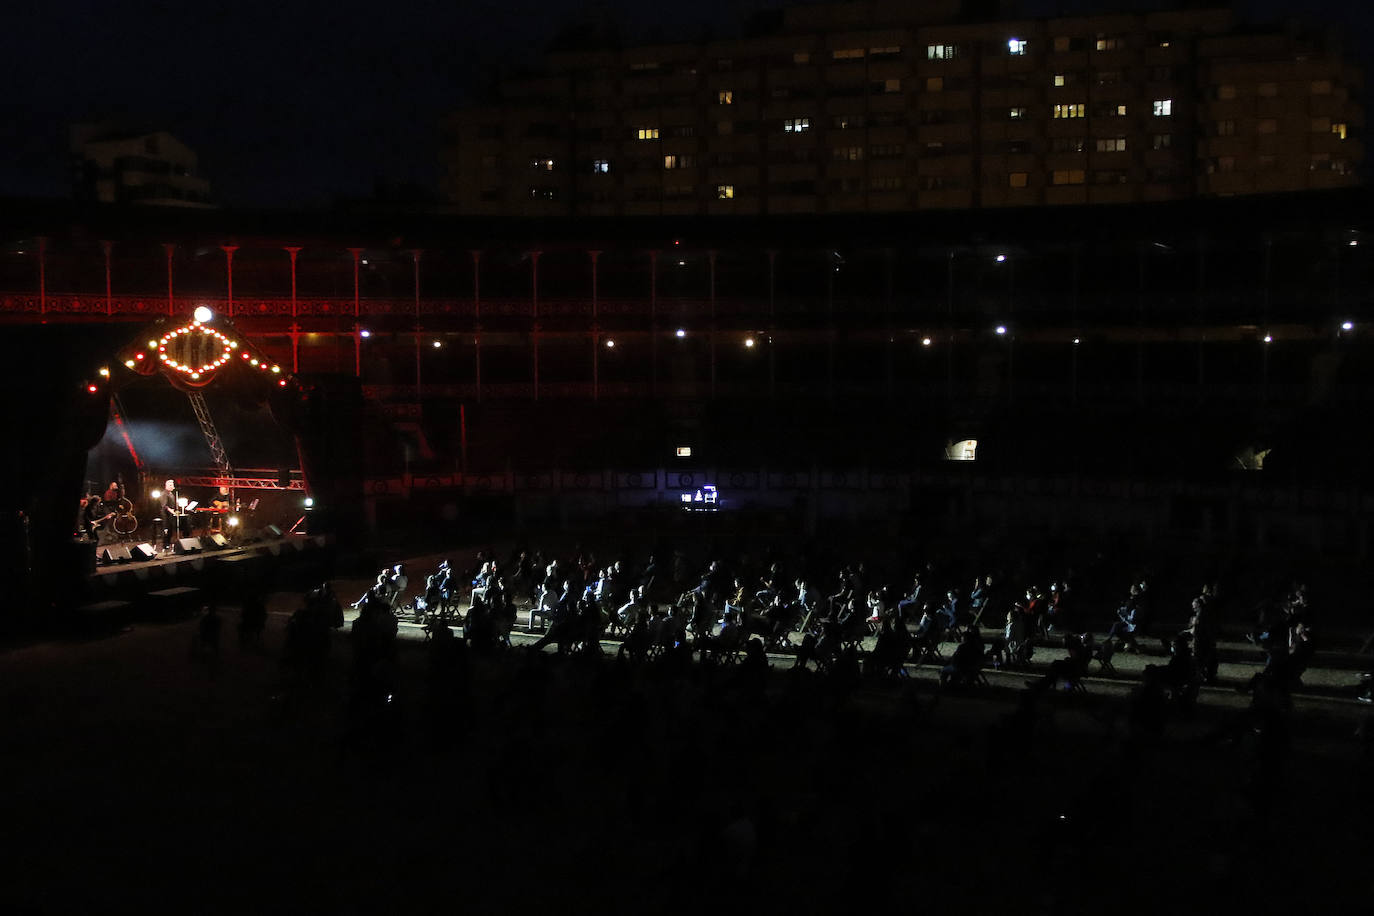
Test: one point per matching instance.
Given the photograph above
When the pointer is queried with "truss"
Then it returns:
(242, 483)
(211, 434)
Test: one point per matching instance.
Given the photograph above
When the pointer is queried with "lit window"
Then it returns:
(1267, 126)
(796, 125)
(942, 52)
(648, 133)
(935, 84)
(1111, 145)
(1018, 179)
(1016, 113)
(1073, 110)
(1107, 44)
(887, 86)
(847, 54)
(1226, 93)
(848, 153)
(1339, 129)
(1016, 46)
(1321, 87)
(725, 97)
(1059, 79)
(601, 166)
(1162, 108)
(1161, 141)
(1268, 90)
(801, 57)
(1120, 111)
(542, 165)
(725, 192)
(1226, 128)
(1067, 176)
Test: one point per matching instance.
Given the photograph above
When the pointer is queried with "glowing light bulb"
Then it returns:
(681, 332)
(748, 341)
(925, 341)
(203, 314)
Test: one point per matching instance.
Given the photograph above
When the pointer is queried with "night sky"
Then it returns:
(299, 102)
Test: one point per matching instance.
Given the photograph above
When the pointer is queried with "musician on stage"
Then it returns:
(113, 494)
(94, 514)
(221, 500)
(171, 514)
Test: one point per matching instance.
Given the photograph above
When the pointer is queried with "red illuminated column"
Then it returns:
(169, 247)
(415, 259)
(534, 299)
(106, 246)
(596, 334)
(295, 324)
(357, 317)
(477, 325)
(43, 277)
(229, 273)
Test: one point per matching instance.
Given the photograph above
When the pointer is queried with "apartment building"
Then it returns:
(890, 107)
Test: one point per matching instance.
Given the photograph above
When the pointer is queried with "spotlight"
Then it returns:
(681, 332)
(925, 341)
(1268, 338)
(105, 373)
(203, 315)
(1001, 330)
(1075, 341)
(232, 521)
(437, 344)
(610, 344)
(91, 389)
(156, 494)
(309, 502)
(129, 363)
(364, 333)
(748, 341)
(1001, 258)
(1347, 325)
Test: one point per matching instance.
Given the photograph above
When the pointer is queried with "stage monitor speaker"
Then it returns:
(188, 545)
(116, 554)
(216, 542)
(271, 531)
(143, 551)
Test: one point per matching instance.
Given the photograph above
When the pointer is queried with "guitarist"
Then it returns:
(95, 515)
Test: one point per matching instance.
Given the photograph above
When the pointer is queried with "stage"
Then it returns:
(209, 573)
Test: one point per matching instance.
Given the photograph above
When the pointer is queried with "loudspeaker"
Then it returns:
(116, 554)
(217, 542)
(271, 531)
(143, 551)
(188, 545)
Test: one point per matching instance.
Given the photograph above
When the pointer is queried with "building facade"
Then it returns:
(891, 107)
(151, 168)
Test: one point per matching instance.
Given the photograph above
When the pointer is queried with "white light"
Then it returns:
(1075, 341)
(364, 333)
(681, 263)
(681, 332)
(925, 341)
(748, 341)
(105, 373)
(309, 502)
(181, 502)
(1353, 243)
(364, 262)
(1001, 258)
(1347, 325)
(1001, 329)
(203, 314)
(233, 521)
(437, 344)
(610, 344)
(129, 363)
(1268, 338)
(684, 451)
(156, 494)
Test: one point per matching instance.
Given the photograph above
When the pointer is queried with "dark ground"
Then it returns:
(138, 775)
